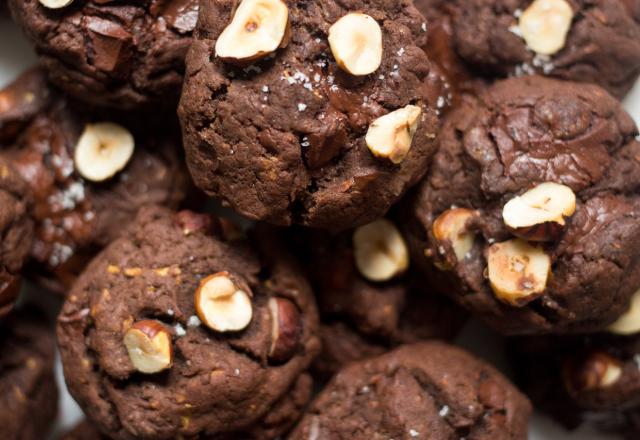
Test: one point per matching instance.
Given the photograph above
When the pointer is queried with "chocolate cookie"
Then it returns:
(585, 378)
(595, 41)
(88, 178)
(28, 392)
(16, 232)
(368, 301)
(304, 129)
(124, 54)
(427, 390)
(529, 214)
(178, 329)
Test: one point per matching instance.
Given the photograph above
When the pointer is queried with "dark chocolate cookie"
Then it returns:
(121, 54)
(290, 136)
(595, 41)
(529, 214)
(588, 378)
(428, 390)
(180, 329)
(364, 314)
(79, 207)
(16, 233)
(28, 392)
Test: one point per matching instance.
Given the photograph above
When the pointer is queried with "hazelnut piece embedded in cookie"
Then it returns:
(258, 28)
(103, 150)
(390, 136)
(356, 43)
(221, 305)
(599, 370)
(380, 251)
(55, 4)
(149, 346)
(451, 226)
(539, 214)
(544, 25)
(286, 329)
(517, 271)
(629, 322)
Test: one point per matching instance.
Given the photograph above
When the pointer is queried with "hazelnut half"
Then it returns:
(221, 305)
(55, 4)
(390, 136)
(451, 226)
(103, 150)
(380, 251)
(539, 214)
(286, 329)
(599, 370)
(517, 271)
(544, 25)
(629, 322)
(356, 43)
(258, 28)
(149, 346)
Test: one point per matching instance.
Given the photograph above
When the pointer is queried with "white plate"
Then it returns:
(16, 56)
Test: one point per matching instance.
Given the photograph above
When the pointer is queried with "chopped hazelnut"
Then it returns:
(149, 346)
(380, 251)
(356, 43)
(544, 25)
(286, 329)
(390, 136)
(103, 150)
(221, 305)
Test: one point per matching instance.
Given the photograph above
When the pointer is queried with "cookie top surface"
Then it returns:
(595, 41)
(283, 139)
(520, 135)
(426, 390)
(29, 397)
(124, 54)
(231, 381)
(74, 214)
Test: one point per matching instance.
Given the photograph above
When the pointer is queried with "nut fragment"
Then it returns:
(55, 4)
(103, 150)
(380, 251)
(191, 222)
(286, 329)
(629, 322)
(599, 370)
(451, 226)
(149, 346)
(544, 25)
(517, 271)
(221, 305)
(258, 28)
(356, 43)
(539, 214)
(390, 136)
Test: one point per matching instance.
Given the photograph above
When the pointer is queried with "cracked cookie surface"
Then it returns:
(124, 54)
(74, 217)
(428, 390)
(283, 139)
(220, 384)
(519, 133)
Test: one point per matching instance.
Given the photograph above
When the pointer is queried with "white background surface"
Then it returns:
(16, 56)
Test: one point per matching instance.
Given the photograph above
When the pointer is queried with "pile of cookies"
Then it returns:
(404, 166)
